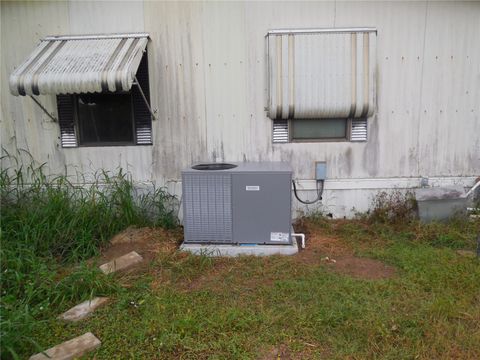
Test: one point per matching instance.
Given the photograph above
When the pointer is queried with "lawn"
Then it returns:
(390, 289)
(296, 307)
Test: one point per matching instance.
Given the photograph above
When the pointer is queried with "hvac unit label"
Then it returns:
(279, 236)
(252, 188)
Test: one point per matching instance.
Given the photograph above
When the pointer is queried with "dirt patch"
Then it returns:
(276, 353)
(148, 242)
(217, 280)
(211, 279)
(319, 246)
(283, 352)
(330, 251)
(362, 268)
(320, 243)
(339, 256)
(241, 274)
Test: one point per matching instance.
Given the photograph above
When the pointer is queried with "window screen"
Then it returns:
(105, 118)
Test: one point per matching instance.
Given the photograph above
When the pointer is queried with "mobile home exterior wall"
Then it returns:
(208, 83)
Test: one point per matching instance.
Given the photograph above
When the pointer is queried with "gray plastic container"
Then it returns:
(441, 203)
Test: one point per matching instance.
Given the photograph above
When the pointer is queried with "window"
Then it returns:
(324, 129)
(321, 83)
(109, 118)
(105, 119)
(316, 130)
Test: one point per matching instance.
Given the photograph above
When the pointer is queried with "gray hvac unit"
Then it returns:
(237, 203)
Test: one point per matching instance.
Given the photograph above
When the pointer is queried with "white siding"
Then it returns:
(208, 81)
(98, 17)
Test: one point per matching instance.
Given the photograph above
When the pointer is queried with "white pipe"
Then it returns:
(472, 189)
(302, 236)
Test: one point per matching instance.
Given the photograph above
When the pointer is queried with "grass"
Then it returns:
(48, 227)
(430, 310)
(191, 307)
(195, 307)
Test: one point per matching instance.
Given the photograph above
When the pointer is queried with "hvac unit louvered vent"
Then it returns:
(208, 215)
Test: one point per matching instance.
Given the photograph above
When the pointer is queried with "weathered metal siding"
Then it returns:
(449, 121)
(23, 125)
(178, 86)
(208, 82)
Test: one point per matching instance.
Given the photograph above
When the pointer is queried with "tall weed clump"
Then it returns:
(49, 223)
(393, 207)
(393, 216)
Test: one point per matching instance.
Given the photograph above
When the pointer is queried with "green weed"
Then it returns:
(429, 310)
(393, 207)
(197, 307)
(49, 223)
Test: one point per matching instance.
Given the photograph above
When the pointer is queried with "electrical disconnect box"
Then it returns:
(320, 170)
(237, 203)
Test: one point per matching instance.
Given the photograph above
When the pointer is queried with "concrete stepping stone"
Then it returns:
(466, 253)
(70, 349)
(121, 263)
(81, 311)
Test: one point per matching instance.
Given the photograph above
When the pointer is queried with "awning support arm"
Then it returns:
(144, 98)
(44, 110)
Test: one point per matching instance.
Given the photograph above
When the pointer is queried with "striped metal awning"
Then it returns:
(80, 64)
(321, 73)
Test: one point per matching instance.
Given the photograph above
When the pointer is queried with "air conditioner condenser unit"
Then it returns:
(237, 203)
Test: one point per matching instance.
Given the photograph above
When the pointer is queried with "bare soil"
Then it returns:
(282, 352)
(362, 268)
(148, 242)
(328, 251)
(211, 279)
(339, 257)
(321, 249)
(276, 353)
(320, 246)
